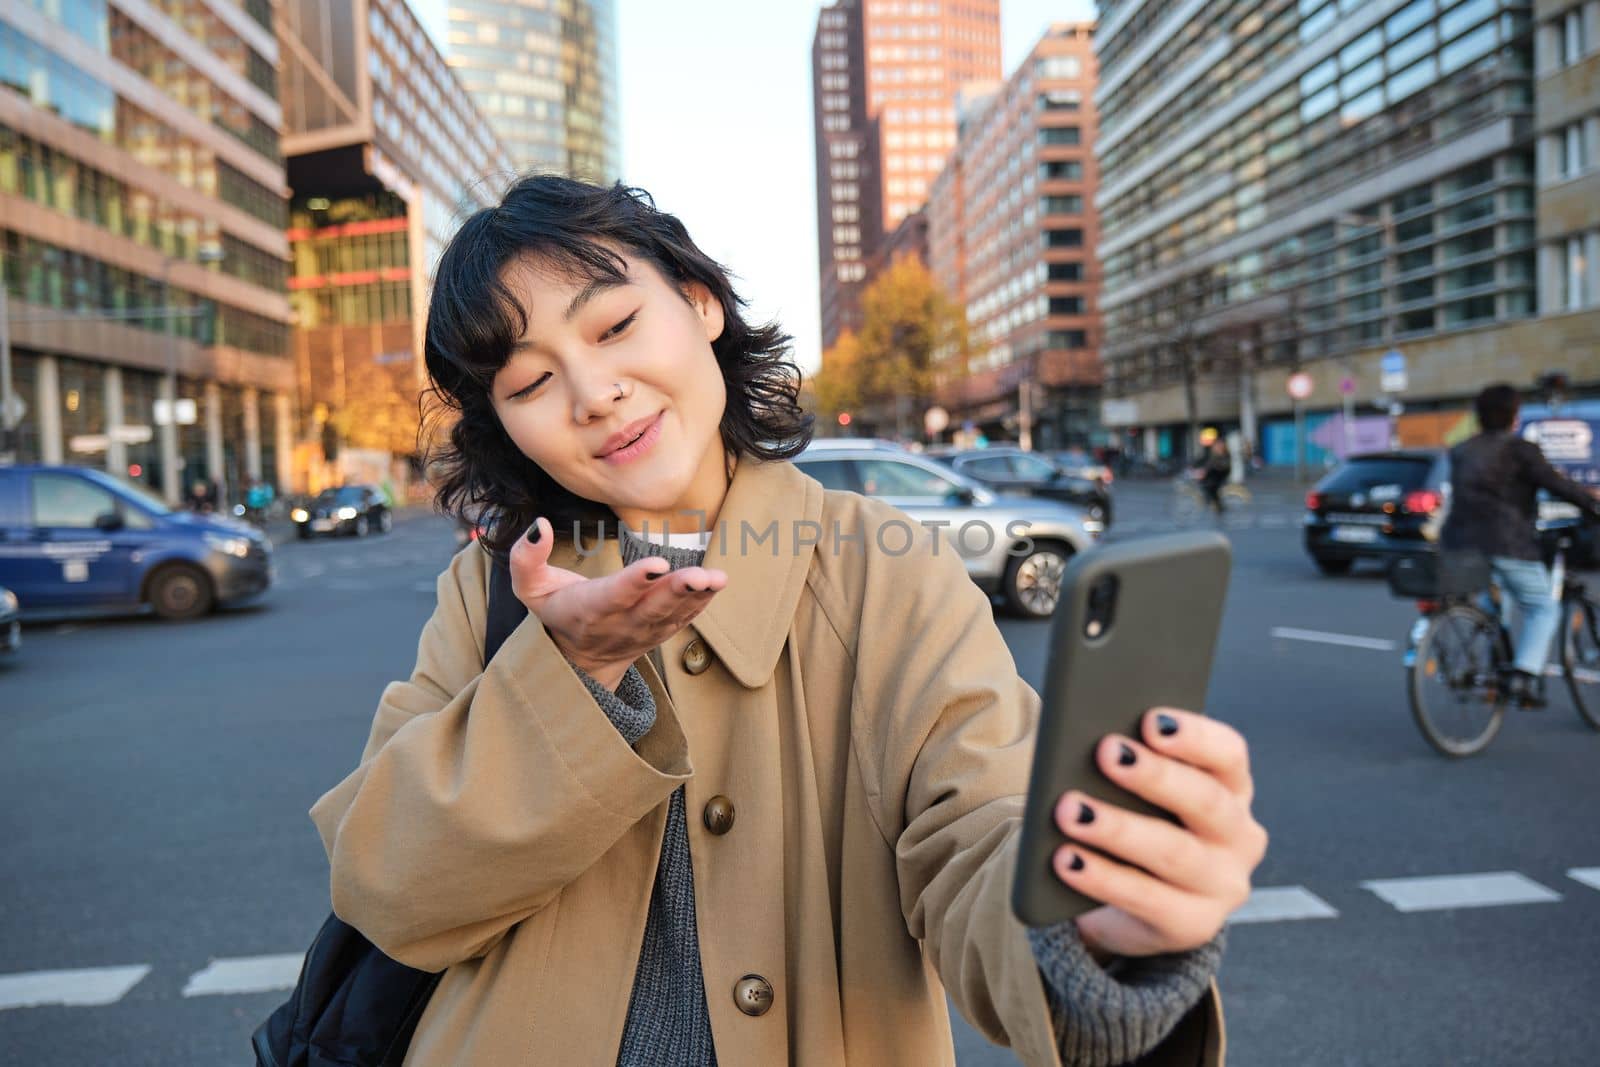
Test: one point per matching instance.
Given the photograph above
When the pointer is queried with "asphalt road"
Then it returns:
(154, 782)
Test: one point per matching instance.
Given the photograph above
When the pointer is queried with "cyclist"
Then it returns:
(1495, 478)
(1213, 467)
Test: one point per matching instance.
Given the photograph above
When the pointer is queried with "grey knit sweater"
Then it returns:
(1103, 1015)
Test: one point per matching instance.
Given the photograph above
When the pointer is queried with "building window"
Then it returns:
(1052, 68)
(1574, 151)
(1070, 339)
(1061, 171)
(1063, 205)
(1064, 272)
(1061, 100)
(1569, 37)
(1055, 135)
(1063, 238)
(1574, 274)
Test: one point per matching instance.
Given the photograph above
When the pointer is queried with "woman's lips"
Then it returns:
(639, 447)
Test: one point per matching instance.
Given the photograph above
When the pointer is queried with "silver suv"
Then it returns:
(1014, 546)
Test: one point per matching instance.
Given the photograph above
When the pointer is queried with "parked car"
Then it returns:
(1379, 506)
(10, 621)
(74, 540)
(356, 510)
(1077, 462)
(1014, 546)
(1011, 470)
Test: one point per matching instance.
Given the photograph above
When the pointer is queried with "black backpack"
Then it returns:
(353, 1006)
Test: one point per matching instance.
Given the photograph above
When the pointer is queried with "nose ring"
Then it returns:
(620, 393)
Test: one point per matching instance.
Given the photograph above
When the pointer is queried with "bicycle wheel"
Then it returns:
(1580, 656)
(1454, 682)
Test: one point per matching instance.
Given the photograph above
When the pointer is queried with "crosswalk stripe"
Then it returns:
(87, 987)
(1489, 890)
(248, 974)
(1589, 876)
(1281, 904)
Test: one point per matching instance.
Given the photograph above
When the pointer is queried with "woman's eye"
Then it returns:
(619, 327)
(527, 390)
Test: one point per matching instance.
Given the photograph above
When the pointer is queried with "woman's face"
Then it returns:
(614, 391)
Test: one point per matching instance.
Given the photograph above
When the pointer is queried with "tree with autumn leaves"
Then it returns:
(913, 340)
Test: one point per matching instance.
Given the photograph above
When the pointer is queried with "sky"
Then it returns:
(717, 126)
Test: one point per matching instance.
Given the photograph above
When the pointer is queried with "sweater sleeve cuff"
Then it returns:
(631, 709)
(1111, 1015)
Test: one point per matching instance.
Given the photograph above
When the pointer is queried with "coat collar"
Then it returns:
(762, 541)
(747, 623)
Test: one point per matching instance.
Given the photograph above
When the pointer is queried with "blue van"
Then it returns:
(75, 540)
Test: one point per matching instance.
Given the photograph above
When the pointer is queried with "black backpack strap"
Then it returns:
(505, 610)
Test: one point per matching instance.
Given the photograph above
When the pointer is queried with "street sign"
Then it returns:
(1393, 372)
(1300, 385)
(19, 408)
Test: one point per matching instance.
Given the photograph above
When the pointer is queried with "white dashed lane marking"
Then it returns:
(1589, 876)
(1371, 644)
(85, 988)
(1490, 890)
(1283, 904)
(92, 987)
(248, 974)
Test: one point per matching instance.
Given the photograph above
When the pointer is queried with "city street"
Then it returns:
(154, 783)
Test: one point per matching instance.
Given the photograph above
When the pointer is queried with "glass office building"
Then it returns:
(386, 154)
(544, 73)
(1314, 185)
(142, 210)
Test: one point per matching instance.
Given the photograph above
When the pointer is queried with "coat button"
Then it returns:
(719, 814)
(753, 994)
(696, 657)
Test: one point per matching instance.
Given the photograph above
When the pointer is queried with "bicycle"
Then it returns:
(1460, 653)
(1189, 501)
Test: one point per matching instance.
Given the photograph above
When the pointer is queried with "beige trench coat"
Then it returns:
(861, 712)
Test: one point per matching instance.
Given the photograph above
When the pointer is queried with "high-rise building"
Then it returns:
(142, 204)
(885, 75)
(1012, 236)
(1347, 190)
(545, 75)
(386, 154)
(1568, 68)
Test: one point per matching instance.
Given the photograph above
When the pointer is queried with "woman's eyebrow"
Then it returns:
(586, 294)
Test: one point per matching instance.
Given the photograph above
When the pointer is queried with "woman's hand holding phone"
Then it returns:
(1165, 887)
(603, 624)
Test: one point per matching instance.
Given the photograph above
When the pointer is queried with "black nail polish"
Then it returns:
(657, 574)
(1167, 725)
(1126, 756)
(534, 535)
(1077, 862)
(1085, 814)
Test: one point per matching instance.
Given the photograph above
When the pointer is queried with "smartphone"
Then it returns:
(1135, 629)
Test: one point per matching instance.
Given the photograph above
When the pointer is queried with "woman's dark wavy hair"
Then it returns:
(474, 318)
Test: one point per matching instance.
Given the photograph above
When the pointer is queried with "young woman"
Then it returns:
(749, 795)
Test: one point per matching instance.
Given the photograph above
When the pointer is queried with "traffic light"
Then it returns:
(844, 418)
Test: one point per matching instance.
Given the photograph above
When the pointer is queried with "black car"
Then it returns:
(1011, 470)
(1380, 506)
(356, 510)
